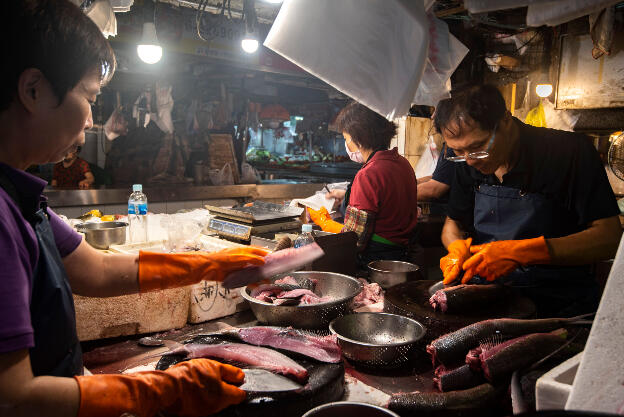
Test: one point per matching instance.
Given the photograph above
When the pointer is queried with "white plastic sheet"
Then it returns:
(444, 55)
(557, 12)
(373, 51)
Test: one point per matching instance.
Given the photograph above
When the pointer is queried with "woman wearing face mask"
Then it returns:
(380, 204)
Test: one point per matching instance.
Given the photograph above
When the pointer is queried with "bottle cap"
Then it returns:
(137, 187)
(306, 227)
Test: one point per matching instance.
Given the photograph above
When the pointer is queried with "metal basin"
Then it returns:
(349, 408)
(390, 273)
(377, 339)
(102, 235)
(342, 288)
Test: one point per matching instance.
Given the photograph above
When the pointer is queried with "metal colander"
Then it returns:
(377, 339)
(341, 288)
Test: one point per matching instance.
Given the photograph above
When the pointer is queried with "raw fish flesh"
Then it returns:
(275, 263)
(256, 356)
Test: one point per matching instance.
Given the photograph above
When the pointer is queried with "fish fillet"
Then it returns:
(275, 263)
(324, 349)
(256, 356)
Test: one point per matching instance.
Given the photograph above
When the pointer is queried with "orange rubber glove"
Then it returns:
(192, 388)
(496, 259)
(323, 219)
(451, 264)
(159, 271)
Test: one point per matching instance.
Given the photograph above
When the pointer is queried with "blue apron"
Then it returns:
(57, 350)
(505, 213)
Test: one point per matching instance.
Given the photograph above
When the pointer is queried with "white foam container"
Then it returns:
(553, 388)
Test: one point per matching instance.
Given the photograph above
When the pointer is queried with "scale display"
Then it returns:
(231, 229)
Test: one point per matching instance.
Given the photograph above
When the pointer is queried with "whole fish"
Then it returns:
(467, 298)
(474, 400)
(275, 263)
(459, 378)
(451, 348)
(255, 356)
(501, 360)
(321, 348)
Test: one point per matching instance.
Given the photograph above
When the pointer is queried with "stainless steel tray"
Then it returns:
(260, 211)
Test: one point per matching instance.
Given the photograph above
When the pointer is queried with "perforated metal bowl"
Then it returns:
(349, 408)
(342, 289)
(377, 339)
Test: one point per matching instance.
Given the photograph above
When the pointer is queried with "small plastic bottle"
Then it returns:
(137, 214)
(305, 238)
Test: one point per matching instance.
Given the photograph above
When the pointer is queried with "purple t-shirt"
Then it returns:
(19, 252)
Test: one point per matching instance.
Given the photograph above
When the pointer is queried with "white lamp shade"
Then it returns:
(249, 45)
(149, 50)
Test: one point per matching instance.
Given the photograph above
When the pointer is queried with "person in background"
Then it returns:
(437, 186)
(72, 172)
(381, 201)
(59, 60)
(529, 207)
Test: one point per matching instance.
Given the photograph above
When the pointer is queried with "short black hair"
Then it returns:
(57, 38)
(481, 105)
(367, 128)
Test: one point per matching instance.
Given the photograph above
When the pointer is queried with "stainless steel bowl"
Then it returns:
(349, 408)
(376, 339)
(342, 288)
(102, 235)
(390, 273)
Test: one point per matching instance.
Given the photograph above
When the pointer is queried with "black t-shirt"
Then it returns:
(561, 165)
(445, 169)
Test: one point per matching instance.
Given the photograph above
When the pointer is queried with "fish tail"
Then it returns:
(579, 319)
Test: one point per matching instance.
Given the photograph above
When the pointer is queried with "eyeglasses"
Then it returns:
(473, 155)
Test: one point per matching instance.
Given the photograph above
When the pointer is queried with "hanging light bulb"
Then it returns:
(149, 50)
(250, 41)
(249, 44)
(543, 90)
(274, 1)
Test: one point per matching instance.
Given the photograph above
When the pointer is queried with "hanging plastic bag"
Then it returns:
(249, 174)
(443, 56)
(559, 119)
(536, 116)
(428, 160)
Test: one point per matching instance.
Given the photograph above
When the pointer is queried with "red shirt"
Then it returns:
(70, 177)
(386, 186)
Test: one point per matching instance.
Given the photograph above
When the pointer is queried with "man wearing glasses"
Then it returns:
(529, 207)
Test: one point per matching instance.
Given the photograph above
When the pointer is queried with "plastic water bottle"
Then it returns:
(305, 238)
(137, 214)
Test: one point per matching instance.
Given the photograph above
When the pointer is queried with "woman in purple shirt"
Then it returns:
(58, 61)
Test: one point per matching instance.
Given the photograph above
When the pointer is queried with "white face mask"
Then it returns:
(355, 156)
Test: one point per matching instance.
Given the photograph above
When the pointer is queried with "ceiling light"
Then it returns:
(249, 45)
(274, 1)
(543, 90)
(149, 50)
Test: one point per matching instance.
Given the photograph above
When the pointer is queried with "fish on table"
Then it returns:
(247, 355)
(466, 298)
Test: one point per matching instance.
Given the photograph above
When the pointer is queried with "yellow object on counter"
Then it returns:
(108, 218)
(94, 213)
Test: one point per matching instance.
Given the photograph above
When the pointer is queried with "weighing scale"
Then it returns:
(260, 219)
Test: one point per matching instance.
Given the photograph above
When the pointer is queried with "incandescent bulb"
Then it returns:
(249, 45)
(544, 90)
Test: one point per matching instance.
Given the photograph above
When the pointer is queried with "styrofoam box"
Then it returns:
(208, 300)
(553, 388)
